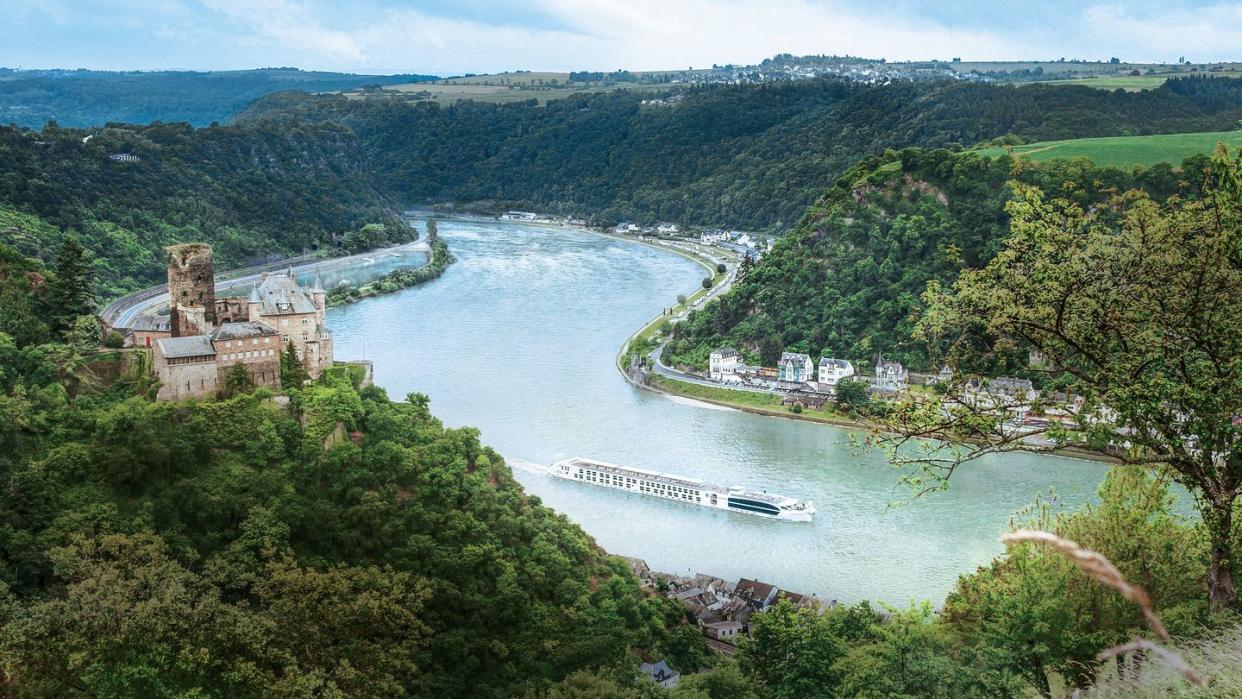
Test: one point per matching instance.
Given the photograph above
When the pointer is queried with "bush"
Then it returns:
(114, 340)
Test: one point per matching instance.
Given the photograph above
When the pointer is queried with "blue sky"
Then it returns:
(456, 36)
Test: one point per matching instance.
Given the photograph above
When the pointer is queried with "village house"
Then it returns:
(890, 376)
(661, 674)
(832, 371)
(667, 228)
(722, 364)
(795, 368)
(726, 631)
(759, 595)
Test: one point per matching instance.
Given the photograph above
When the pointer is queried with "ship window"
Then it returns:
(753, 506)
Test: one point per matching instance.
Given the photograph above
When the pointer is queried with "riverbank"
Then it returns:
(437, 261)
(644, 342)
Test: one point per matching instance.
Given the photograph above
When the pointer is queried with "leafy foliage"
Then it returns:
(255, 192)
(848, 283)
(748, 156)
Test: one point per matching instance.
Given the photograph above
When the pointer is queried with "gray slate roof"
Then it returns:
(180, 347)
(794, 357)
(244, 329)
(726, 352)
(831, 362)
(281, 295)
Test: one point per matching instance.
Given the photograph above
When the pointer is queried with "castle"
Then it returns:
(206, 335)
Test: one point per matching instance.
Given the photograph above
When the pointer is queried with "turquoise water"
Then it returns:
(518, 339)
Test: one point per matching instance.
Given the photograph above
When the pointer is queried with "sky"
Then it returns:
(451, 37)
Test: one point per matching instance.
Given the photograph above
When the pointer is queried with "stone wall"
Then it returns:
(191, 289)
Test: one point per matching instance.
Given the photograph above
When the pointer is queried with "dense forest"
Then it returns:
(84, 98)
(332, 542)
(750, 157)
(255, 192)
(848, 281)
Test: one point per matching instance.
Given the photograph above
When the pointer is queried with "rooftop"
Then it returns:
(182, 347)
(235, 331)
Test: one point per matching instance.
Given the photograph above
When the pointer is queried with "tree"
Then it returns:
(236, 381)
(433, 230)
(1033, 612)
(851, 395)
(292, 373)
(791, 653)
(1134, 308)
(707, 282)
(720, 268)
(69, 294)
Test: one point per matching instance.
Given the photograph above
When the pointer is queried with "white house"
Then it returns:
(667, 228)
(890, 375)
(795, 367)
(722, 364)
(833, 370)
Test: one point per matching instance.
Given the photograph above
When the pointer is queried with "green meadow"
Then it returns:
(1126, 151)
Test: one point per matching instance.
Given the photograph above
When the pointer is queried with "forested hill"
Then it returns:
(82, 98)
(253, 191)
(751, 157)
(847, 283)
(337, 545)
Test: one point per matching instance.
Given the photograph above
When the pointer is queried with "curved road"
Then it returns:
(122, 312)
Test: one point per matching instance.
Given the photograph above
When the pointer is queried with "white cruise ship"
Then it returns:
(691, 490)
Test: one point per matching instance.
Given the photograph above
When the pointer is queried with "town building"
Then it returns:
(795, 368)
(722, 364)
(890, 376)
(832, 371)
(667, 228)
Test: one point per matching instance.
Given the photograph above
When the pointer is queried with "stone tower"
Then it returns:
(191, 289)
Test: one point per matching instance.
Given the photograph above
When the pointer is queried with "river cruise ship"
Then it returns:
(683, 489)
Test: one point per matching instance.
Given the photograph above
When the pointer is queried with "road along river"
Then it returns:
(519, 337)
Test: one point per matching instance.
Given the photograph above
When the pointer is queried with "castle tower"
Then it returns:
(319, 296)
(191, 289)
(254, 305)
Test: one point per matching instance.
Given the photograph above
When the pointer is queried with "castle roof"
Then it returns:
(181, 347)
(281, 295)
(244, 329)
(254, 295)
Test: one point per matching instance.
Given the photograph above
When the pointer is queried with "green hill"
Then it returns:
(848, 281)
(747, 156)
(1125, 151)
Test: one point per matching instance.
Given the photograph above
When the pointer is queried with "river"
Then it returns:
(518, 338)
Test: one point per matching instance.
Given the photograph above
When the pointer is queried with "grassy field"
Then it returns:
(1132, 83)
(514, 87)
(1126, 151)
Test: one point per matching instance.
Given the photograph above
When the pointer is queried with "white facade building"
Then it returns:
(722, 364)
(832, 371)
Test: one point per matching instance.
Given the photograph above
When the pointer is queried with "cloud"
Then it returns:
(455, 36)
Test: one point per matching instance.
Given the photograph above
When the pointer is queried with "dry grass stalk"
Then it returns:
(1096, 567)
(1170, 658)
